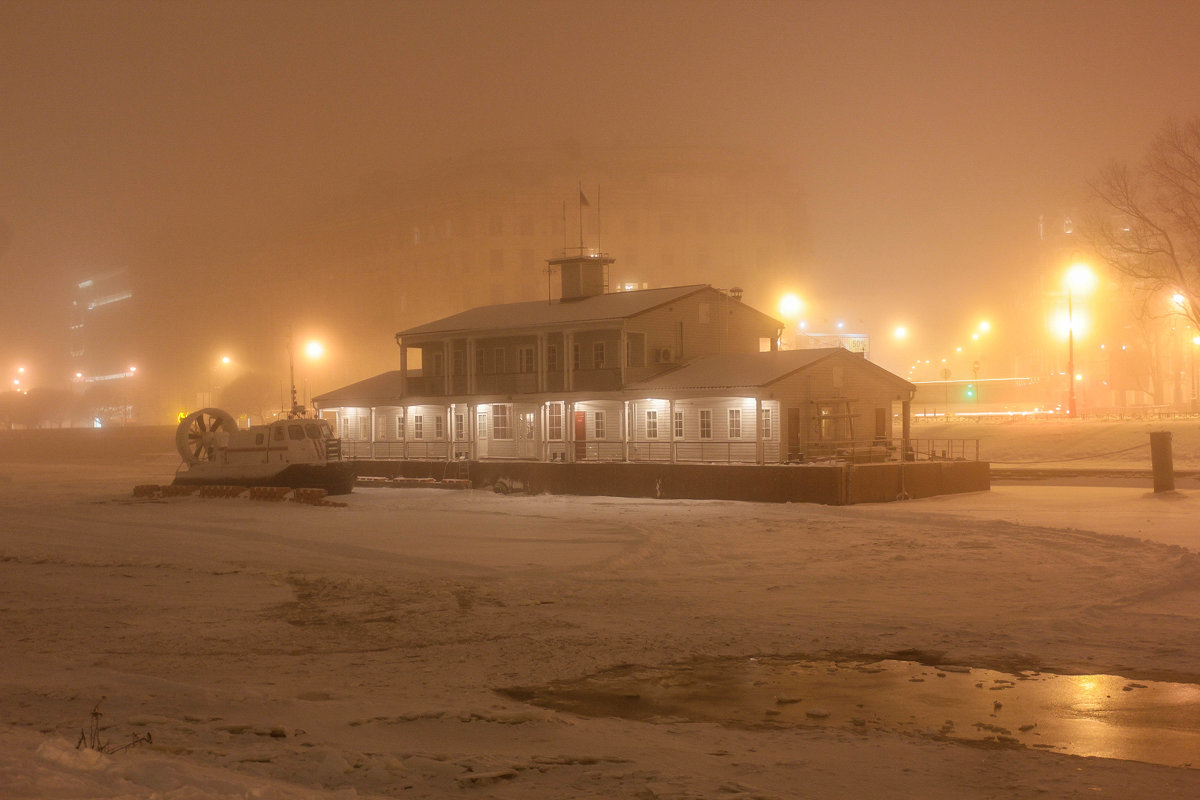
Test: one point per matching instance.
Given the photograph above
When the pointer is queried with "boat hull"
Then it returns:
(335, 478)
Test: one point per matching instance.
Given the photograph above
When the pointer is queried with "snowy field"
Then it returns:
(287, 651)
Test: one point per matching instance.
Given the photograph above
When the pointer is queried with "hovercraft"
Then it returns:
(297, 452)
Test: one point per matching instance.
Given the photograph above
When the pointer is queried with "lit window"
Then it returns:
(439, 427)
(600, 425)
(400, 425)
(651, 424)
(418, 426)
(554, 421)
(735, 423)
(502, 421)
(766, 423)
(705, 423)
(460, 427)
(678, 424)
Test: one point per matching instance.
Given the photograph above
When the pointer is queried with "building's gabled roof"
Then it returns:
(540, 314)
(753, 370)
(377, 390)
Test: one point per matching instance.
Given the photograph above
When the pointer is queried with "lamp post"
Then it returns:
(313, 349)
(1072, 410)
(1192, 370)
(1078, 278)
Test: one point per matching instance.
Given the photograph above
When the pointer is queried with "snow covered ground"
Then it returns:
(288, 651)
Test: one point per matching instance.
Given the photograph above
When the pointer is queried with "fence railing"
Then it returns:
(943, 450)
(842, 452)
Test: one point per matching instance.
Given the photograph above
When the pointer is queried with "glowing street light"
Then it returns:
(314, 349)
(790, 306)
(1079, 278)
(984, 326)
(901, 332)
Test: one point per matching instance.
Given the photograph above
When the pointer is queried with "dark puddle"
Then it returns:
(1087, 715)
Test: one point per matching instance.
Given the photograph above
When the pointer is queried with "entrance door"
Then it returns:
(526, 443)
(481, 441)
(793, 435)
(580, 435)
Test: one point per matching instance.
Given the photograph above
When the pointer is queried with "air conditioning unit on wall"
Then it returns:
(662, 355)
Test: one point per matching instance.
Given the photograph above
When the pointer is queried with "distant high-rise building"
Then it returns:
(479, 231)
(102, 327)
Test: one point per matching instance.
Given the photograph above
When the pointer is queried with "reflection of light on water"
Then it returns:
(1090, 715)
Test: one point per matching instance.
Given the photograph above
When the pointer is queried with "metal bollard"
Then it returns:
(1160, 460)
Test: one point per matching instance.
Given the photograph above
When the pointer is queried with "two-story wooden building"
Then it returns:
(680, 374)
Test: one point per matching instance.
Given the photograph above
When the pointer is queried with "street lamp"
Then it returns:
(313, 349)
(1079, 278)
(1195, 344)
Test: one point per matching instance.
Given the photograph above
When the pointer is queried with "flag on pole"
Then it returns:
(583, 201)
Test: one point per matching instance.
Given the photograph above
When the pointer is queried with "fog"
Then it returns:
(244, 161)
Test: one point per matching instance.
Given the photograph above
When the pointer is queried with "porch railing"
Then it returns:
(746, 452)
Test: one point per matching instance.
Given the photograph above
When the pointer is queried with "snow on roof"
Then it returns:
(377, 390)
(748, 370)
(533, 314)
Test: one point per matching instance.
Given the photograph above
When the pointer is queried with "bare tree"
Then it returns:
(1148, 225)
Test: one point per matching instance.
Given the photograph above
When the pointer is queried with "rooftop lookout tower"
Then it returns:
(584, 273)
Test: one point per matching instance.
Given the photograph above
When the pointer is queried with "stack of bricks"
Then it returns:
(314, 497)
(272, 493)
(221, 491)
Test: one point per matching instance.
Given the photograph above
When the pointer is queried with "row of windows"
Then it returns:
(525, 225)
(526, 361)
(733, 429)
(502, 424)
